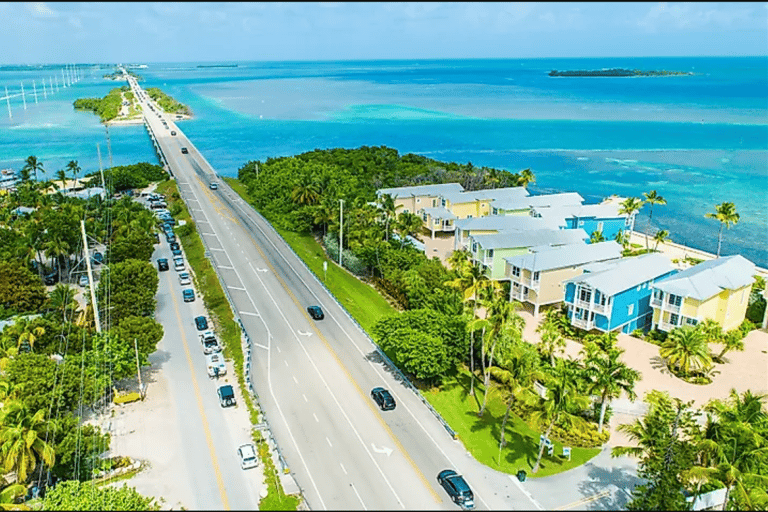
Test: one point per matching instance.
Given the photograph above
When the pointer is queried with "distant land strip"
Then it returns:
(618, 72)
(217, 66)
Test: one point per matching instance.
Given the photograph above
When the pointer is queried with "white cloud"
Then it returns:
(41, 10)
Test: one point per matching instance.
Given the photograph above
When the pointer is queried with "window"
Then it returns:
(418, 199)
(581, 223)
(536, 276)
(424, 216)
(490, 253)
(442, 202)
(406, 210)
(691, 321)
(469, 216)
(630, 309)
(600, 226)
(674, 319)
(495, 211)
(516, 271)
(434, 203)
(674, 300)
(474, 247)
(585, 295)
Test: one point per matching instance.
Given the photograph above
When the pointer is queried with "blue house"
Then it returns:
(603, 217)
(616, 295)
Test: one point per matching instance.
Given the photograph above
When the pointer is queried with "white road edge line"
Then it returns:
(520, 486)
(260, 346)
(358, 496)
(247, 312)
(343, 468)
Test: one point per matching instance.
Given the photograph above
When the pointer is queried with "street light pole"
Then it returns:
(341, 229)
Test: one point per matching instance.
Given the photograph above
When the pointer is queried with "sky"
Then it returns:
(129, 32)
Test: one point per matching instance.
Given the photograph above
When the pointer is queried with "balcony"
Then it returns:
(519, 295)
(590, 306)
(667, 327)
(656, 303)
(583, 323)
(672, 308)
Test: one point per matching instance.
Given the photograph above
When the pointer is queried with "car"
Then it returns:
(247, 454)
(457, 488)
(184, 278)
(175, 245)
(315, 312)
(201, 323)
(176, 252)
(162, 264)
(178, 264)
(184, 150)
(173, 133)
(170, 237)
(216, 366)
(83, 280)
(210, 343)
(214, 186)
(98, 258)
(188, 294)
(51, 279)
(384, 398)
(226, 396)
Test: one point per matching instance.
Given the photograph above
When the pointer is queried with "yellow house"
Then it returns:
(716, 289)
(477, 203)
(413, 199)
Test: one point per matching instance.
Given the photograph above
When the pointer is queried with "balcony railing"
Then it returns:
(656, 303)
(519, 295)
(583, 323)
(591, 306)
(666, 326)
(534, 285)
(671, 307)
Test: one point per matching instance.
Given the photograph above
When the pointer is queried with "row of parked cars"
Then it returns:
(212, 349)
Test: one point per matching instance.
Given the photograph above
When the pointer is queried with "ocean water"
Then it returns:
(697, 140)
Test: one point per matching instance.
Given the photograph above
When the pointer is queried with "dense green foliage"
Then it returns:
(167, 103)
(131, 286)
(20, 289)
(75, 495)
(124, 177)
(107, 107)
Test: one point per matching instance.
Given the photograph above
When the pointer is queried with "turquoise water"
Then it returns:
(697, 140)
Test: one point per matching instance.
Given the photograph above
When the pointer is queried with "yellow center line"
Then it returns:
(584, 501)
(377, 414)
(206, 429)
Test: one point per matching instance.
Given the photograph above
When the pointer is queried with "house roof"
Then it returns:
(598, 211)
(566, 198)
(530, 238)
(506, 223)
(614, 276)
(567, 256)
(421, 190)
(709, 278)
(489, 194)
(439, 212)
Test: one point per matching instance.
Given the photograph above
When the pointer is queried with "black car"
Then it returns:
(162, 264)
(98, 258)
(51, 278)
(383, 397)
(175, 245)
(315, 312)
(201, 323)
(170, 237)
(184, 150)
(457, 488)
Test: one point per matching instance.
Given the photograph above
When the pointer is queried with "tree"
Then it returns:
(20, 289)
(131, 286)
(525, 177)
(652, 198)
(609, 377)
(561, 401)
(596, 237)
(78, 448)
(21, 440)
(629, 207)
(33, 165)
(726, 214)
(686, 349)
(551, 341)
(664, 442)
(661, 236)
(407, 224)
(10, 497)
(62, 301)
(75, 495)
(387, 204)
(61, 175)
(418, 353)
(146, 331)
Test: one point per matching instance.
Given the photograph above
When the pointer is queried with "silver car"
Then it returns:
(184, 278)
(247, 454)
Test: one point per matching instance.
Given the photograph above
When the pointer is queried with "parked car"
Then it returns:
(184, 278)
(175, 245)
(216, 366)
(210, 343)
(384, 398)
(201, 323)
(315, 312)
(457, 488)
(184, 150)
(178, 264)
(247, 454)
(51, 279)
(98, 258)
(176, 252)
(226, 396)
(170, 237)
(162, 264)
(173, 133)
(188, 294)
(83, 280)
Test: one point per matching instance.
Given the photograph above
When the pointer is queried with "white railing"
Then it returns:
(519, 295)
(584, 324)
(666, 326)
(671, 307)
(655, 303)
(591, 306)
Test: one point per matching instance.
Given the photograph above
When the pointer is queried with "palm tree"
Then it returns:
(407, 224)
(726, 214)
(307, 192)
(562, 398)
(29, 336)
(61, 175)
(33, 165)
(609, 377)
(622, 238)
(387, 204)
(10, 495)
(551, 341)
(686, 349)
(22, 440)
(74, 168)
(458, 259)
(661, 236)
(651, 198)
(596, 237)
(525, 177)
(629, 207)
(62, 301)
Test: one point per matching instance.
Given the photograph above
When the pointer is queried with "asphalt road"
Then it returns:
(313, 378)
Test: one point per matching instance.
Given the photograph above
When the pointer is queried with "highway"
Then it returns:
(313, 378)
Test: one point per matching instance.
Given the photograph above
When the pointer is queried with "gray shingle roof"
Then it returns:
(506, 223)
(614, 276)
(513, 239)
(567, 256)
(439, 213)
(421, 190)
(564, 199)
(490, 194)
(709, 278)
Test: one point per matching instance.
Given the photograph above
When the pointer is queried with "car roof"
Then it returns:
(199, 317)
(226, 387)
(459, 482)
(163, 259)
(247, 448)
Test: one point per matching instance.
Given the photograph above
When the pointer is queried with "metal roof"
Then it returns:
(421, 190)
(489, 194)
(598, 211)
(567, 256)
(709, 278)
(506, 223)
(564, 199)
(614, 276)
(439, 212)
(512, 239)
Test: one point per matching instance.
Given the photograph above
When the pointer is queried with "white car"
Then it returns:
(83, 280)
(178, 264)
(247, 454)
(216, 362)
(184, 278)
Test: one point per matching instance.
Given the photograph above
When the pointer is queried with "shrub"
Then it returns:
(588, 437)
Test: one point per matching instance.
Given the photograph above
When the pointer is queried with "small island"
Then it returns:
(118, 75)
(618, 72)
(120, 106)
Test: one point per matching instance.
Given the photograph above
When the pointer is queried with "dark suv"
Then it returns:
(457, 488)
(315, 312)
(201, 323)
(162, 264)
(383, 397)
(184, 150)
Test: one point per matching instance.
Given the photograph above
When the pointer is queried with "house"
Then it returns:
(537, 278)
(616, 295)
(412, 199)
(490, 251)
(438, 219)
(477, 203)
(523, 205)
(494, 224)
(603, 217)
(716, 289)
(87, 193)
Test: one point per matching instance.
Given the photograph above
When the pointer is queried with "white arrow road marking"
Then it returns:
(304, 333)
(383, 449)
(262, 270)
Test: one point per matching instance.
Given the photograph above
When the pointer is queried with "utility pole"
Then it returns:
(101, 171)
(90, 278)
(34, 89)
(341, 230)
(138, 368)
(109, 146)
(23, 99)
(8, 100)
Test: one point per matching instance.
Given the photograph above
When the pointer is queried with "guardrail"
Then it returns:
(390, 365)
